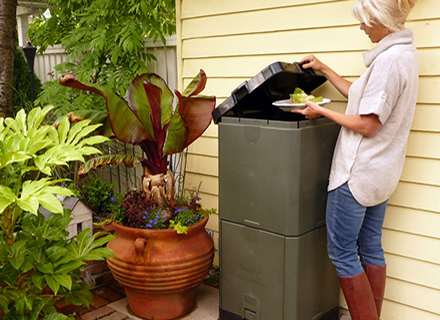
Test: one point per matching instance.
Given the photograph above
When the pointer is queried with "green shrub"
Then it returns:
(100, 197)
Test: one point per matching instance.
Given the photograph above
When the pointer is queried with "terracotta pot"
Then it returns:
(161, 270)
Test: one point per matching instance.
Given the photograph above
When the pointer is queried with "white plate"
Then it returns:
(286, 105)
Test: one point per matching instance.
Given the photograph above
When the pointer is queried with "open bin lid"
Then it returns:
(254, 98)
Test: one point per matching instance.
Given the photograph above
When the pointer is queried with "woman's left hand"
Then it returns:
(311, 111)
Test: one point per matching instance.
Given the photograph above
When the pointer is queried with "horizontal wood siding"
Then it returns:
(233, 40)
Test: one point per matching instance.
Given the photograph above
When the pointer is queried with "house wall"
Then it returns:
(233, 40)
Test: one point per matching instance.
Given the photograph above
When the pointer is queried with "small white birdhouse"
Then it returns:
(81, 215)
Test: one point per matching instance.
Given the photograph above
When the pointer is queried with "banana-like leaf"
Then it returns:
(124, 123)
(149, 120)
(139, 102)
(114, 159)
(196, 85)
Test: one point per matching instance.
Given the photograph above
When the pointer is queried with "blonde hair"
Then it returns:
(390, 13)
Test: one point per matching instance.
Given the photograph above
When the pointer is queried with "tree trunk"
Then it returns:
(8, 36)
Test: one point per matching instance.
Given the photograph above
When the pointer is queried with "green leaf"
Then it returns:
(52, 283)
(99, 254)
(37, 280)
(10, 275)
(27, 266)
(68, 267)
(54, 253)
(46, 267)
(55, 316)
(50, 202)
(7, 197)
(63, 129)
(39, 306)
(64, 280)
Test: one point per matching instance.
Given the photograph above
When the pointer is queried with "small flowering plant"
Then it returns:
(137, 212)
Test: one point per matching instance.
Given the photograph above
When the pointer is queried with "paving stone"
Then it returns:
(64, 308)
(115, 316)
(109, 294)
(97, 301)
(98, 313)
(117, 287)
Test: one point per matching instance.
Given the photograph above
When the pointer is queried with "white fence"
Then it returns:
(165, 66)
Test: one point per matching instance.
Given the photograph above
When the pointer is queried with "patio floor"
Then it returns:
(109, 303)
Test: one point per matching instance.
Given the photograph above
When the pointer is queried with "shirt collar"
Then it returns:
(400, 37)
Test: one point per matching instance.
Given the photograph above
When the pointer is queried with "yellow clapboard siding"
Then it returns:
(428, 61)
(413, 295)
(416, 196)
(396, 311)
(429, 9)
(286, 18)
(316, 40)
(411, 246)
(213, 223)
(345, 63)
(423, 223)
(195, 8)
(204, 146)
(428, 87)
(423, 144)
(209, 201)
(312, 40)
(209, 183)
(402, 268)
(202, 164)
(427, 117)
(349, 63)
(212, 131)
(421, 170)
(216, 261)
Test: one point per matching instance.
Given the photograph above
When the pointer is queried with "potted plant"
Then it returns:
(38, 264)
(159, 268)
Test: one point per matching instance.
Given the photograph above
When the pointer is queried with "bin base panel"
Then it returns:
(226, 315)
(267, 276)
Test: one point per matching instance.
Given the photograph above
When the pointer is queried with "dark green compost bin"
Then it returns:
(273, 175)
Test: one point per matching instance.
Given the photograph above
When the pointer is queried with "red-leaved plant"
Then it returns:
(150, 121)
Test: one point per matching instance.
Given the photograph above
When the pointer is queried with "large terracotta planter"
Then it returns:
(161, 270)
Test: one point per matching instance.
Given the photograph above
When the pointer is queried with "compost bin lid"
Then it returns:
(254, 98)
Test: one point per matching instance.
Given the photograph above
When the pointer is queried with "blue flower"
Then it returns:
(188, 220)
(148, 225)
(112, 199)
(197, 217)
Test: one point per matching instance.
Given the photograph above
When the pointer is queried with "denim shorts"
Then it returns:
(354, 232)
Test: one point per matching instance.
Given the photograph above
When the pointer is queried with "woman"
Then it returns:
(370, 150)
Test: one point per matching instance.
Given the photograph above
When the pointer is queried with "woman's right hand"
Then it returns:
(340, 83)
(312, 62)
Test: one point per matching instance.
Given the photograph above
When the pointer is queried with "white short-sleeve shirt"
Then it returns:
(373, 165)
